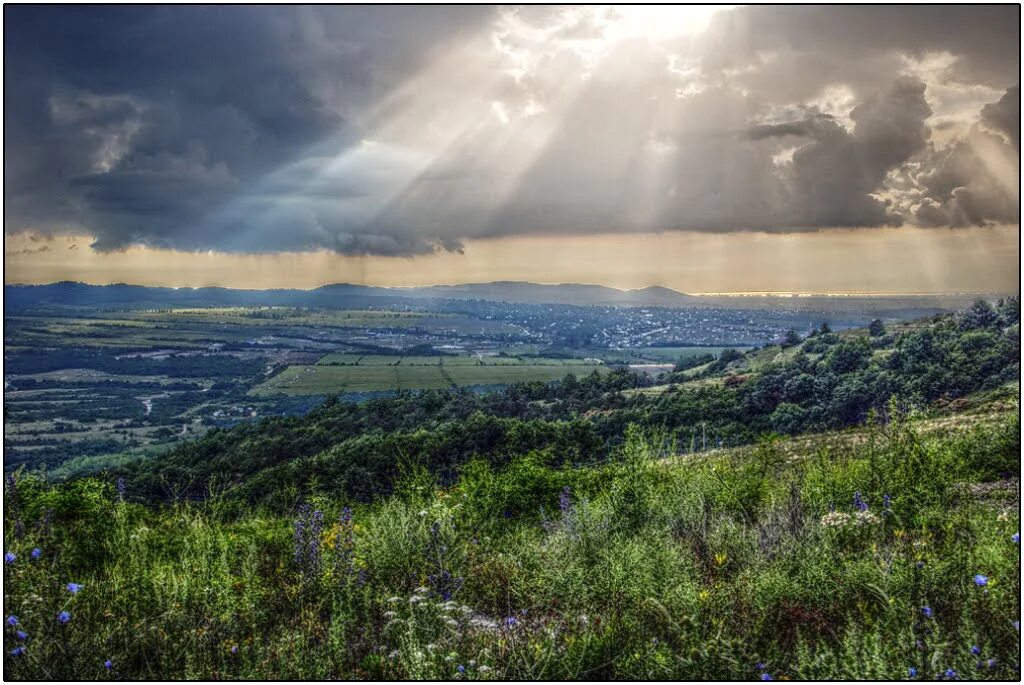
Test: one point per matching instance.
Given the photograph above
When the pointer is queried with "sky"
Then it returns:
(707, 149)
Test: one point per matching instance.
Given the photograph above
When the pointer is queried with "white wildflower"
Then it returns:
(866, 518)
(835, 519)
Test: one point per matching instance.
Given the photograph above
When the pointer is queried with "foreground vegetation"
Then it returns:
(890, 557)
(594, 529)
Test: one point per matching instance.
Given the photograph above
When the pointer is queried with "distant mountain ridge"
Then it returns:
(339, 295)
(72, 293)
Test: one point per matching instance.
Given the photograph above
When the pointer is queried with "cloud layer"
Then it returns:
(405, 130)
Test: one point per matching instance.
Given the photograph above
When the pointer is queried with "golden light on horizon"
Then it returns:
(882, 261)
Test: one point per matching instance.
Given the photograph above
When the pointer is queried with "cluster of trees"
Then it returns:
(359, 448)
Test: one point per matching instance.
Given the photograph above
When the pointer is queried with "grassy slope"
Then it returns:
(644, 568)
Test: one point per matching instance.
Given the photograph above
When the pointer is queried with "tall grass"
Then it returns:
(856, 562)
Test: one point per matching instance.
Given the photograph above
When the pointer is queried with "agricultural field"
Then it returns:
(672, 354)
(348, 373)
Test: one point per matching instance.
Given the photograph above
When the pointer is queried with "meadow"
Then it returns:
(895, 556)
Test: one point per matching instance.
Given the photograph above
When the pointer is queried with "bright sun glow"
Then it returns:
(658, 22)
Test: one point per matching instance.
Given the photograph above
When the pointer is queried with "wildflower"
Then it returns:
(886, 502)
(565, 500)
(950, 673)
(12, 620)
(484, 669)
(108, 664)
(835, 519)
(390, 615)
(308, 527)
(1016, 538)
(975, 650)
(73, 588)
(18, 651)
(510, 622)
(1016, 625)
(63, 617)
(393, 654)
(980, 580)
(991, 663)
(234, 649)
(912, 672)
(866, 518)
(460, 668)
(759, 666)
(36, 553)
(927, 611)
(767, 676)
(920, 564)
(21, 635)
(9, 557)
(859, 502)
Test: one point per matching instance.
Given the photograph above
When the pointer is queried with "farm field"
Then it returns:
(671, 354)
(380, 372)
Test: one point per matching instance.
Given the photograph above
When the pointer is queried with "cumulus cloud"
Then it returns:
(407, 130)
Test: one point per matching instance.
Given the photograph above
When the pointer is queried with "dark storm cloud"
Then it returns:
(407, 130)
(1004, 115)
(807, 127)
(135, 123)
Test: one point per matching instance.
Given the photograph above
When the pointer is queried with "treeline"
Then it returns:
(356, 450)
(184, 365)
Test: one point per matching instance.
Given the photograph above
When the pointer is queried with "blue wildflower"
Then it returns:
(975, 650)
(21, 635)
(767, 676)
(73, 588)
(9, 557)
(912, 672)
(886, 502)
(980, 580)
(1016, 625)
(991, 663)
(108, 664)
(12, 620)
(63, 617)
(36, 553)
(859, 502)
(234, 649)
(460, 668)
(565, 500)
(927, 611)
(18, 651)
(950, 673)
(511, 621)
(1016, 538)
